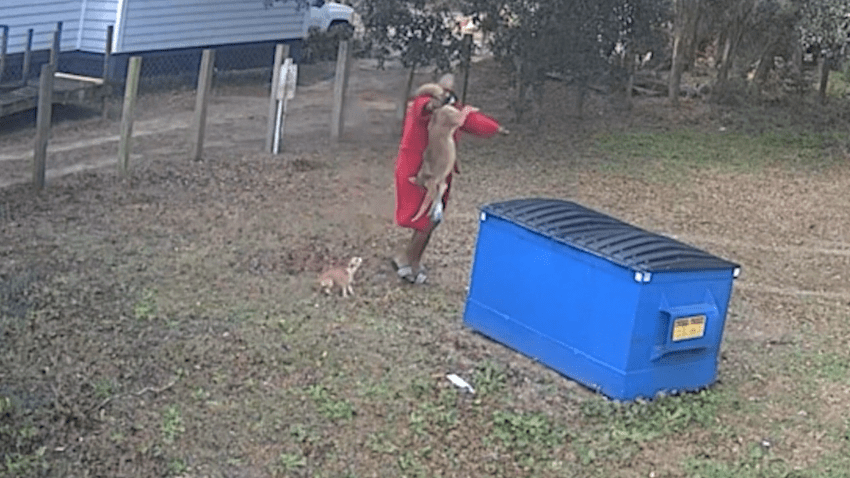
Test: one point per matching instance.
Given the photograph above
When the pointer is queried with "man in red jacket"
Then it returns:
(409, 196)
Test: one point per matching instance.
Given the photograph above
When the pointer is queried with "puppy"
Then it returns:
(341, 277)
(440, 156)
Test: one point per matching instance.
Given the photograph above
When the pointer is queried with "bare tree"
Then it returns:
(686, 14)
(576, 41)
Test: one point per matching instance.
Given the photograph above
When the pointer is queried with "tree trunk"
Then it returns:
(736, 19)
(521, 85)
(401, 109)
(727, 52)
(765, 63)
(631, 66)
(684, 33)
(797, 67)
(824, 78)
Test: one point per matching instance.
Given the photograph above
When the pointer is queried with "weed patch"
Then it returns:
(331, 408)
(172, 424)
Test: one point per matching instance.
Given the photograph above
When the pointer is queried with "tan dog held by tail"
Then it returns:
(440, 156)
(341, 277)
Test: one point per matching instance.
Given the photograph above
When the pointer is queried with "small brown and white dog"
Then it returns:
(440, 156)
(342, 277)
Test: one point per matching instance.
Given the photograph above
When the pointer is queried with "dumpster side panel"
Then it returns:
(664, 359)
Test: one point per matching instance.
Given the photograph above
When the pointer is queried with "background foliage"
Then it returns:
(747, 43)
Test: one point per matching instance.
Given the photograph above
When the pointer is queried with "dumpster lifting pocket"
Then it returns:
(685, 329)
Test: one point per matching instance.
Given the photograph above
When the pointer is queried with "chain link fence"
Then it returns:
(178, 69)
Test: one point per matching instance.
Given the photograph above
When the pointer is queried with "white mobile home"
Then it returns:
(149, 28)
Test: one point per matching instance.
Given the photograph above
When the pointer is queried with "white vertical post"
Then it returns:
(281, 52)
(285, 92)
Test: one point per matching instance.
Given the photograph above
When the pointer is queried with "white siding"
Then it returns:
(97, 15)
(165, 24)
(41, 16)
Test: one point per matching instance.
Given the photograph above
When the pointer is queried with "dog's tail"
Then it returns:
(427, 201)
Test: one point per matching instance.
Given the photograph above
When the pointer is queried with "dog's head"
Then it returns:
(354, 263)
(449, 98)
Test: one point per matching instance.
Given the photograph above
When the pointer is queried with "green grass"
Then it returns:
(674, 155)
(329, 406)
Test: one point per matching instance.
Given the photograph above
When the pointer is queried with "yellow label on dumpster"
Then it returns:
(685, 328)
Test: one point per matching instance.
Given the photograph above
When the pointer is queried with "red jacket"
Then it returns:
(414, 141)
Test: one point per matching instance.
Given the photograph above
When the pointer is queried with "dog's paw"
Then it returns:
(437, 213)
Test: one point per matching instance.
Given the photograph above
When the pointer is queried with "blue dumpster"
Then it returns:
(619, 309)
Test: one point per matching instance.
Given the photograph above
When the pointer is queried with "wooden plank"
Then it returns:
(343, 64)
(131, 90)
(84, 79)
(65, 91)
(199, 120)
(43, 116)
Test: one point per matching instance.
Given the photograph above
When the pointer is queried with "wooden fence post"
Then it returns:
(281, 51)
(199, 120)
(343, 67)
(43, 116)
(131, 89)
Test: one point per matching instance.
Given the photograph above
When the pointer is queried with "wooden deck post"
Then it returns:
(56, 48)
(131, 89)
(25, 70)
(107, 87)
(280, 52)
(343, 64)
(43, 116)
(199, 120)
(4, 46)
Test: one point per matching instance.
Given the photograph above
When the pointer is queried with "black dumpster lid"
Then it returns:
(605, 236)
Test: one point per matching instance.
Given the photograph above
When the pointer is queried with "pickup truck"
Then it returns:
(328, 16)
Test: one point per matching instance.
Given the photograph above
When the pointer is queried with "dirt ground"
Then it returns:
(166, 323)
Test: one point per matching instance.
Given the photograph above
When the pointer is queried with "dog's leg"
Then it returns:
(437, 208)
